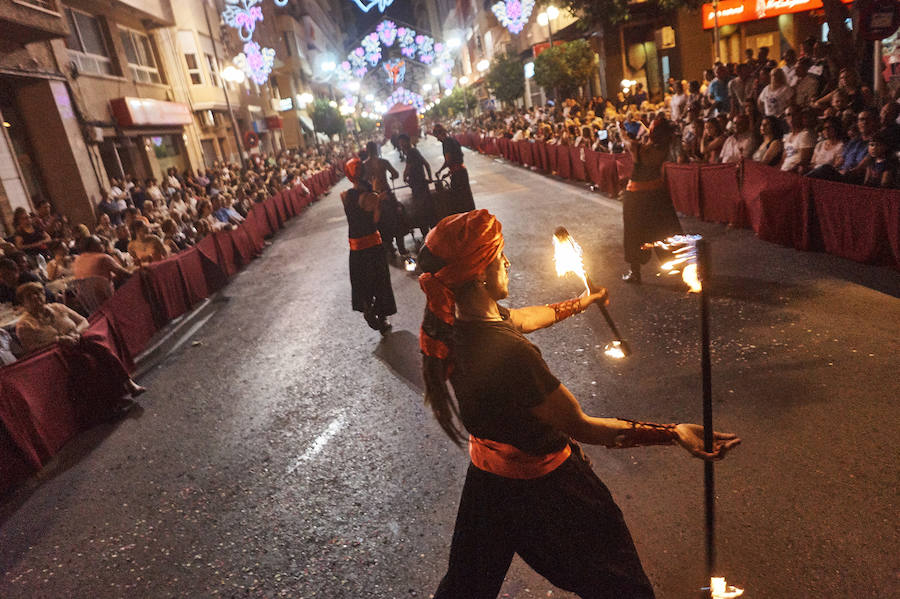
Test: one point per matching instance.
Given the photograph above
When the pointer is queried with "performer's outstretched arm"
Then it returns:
(533, 318)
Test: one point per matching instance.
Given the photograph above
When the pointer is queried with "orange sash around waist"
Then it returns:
(645, 185)
(364, 243)
(456, 167)
(511, 462)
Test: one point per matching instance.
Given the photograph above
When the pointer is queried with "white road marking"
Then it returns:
(319, 443)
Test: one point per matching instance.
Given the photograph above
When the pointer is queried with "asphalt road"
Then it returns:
(285, 451)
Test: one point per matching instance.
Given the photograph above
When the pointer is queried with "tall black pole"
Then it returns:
(703, 272)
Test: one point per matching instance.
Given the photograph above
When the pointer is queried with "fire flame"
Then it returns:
(684, 250)
(720, 590)
(614, 350)
(567, 255)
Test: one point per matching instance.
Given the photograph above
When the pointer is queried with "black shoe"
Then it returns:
(385, 326)
(632, 276)
(371, 319)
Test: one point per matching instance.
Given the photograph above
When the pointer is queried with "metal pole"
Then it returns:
(716, 29)
(234, 126)
(703, 264)
(550, 30)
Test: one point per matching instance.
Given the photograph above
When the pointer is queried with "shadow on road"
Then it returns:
(399, 350)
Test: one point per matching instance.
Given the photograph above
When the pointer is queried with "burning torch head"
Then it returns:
(567, 255)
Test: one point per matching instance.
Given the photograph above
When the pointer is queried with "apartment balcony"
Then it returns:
(27, 21)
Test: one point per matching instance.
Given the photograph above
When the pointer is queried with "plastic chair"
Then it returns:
(91, 292)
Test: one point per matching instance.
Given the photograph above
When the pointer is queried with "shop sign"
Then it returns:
(140, 112)
(274, 122)
(879, 19)
(538, 48)
(740, 11)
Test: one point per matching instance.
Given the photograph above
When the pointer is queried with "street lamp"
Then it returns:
(546, 17)
(483, 65)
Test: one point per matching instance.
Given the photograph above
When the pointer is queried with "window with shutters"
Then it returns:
(86, 45)
(141, 58)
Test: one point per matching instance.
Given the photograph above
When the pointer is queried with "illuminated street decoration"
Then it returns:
(242, 15)
(367, 5)
(387, 33)
(371, 49)
(256, 62)
(407, 39)
(402, 95)
(396, 70)
(426, 48)
(281, 2)
(513, 14)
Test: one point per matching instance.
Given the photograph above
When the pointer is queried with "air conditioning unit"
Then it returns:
(94, 134)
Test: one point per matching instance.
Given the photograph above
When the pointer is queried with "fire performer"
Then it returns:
(370, 279)
(459, 176)
(417, 173)
(647, 211)
(529, 489)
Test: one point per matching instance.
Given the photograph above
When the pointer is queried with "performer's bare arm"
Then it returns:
(532, 318)
(390, 169)
(562, 411)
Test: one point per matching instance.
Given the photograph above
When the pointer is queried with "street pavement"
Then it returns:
(284, 450)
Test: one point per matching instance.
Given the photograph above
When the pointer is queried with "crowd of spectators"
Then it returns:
(802, 114)
(139, 222)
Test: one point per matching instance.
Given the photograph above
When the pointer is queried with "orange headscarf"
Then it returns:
(467, 243)
(351, 169)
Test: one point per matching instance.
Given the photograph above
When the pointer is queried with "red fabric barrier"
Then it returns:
(258, 217)
(576, 155)
(720, 197)
(278, 201)
(891, 209)
(776, 205)
(227, 252)
(526, 153)
(190, 265)
(600, 168)
(540, 155)
(684, 187)
(552, 160)
(251, 227)
(35, 407)
(852, 220)
(103, 328)
(168, 287)
(132, 315)
(563, 162)
(289, 204)
(242, 245)
(14, 468)
(271, 214)
(624, 166)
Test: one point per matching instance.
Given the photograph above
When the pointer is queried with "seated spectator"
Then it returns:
(45, 219)
(879, 167)
(27, 237)
(104, 227)
(890, 128)
(11, 276)
(173, 238)
(798, 143)
(770, 150)
(741, 144)
(829, 150)
(858, 97)
(61, 264)
(146, 247)
(855, 150)
(712, 141)
(94, 263)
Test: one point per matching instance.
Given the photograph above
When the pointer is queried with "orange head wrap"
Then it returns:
(351, 169)
(465, 244)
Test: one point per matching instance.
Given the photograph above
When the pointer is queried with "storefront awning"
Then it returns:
(143, 112)
(307, 123)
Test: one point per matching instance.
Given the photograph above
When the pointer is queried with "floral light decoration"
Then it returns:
(395, 69)
(387, 33)
(367, 5)
(372, 48)
(407, 39)
(513, 14)
(281, 2)
(402, 95)
(357, 60)
(256, 62)
(425, 46)
(242, 15)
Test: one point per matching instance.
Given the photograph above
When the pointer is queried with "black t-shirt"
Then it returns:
(498, 376)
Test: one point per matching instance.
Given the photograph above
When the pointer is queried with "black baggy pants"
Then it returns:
(565, 525)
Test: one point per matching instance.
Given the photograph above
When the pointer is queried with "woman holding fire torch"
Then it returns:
(529, 489)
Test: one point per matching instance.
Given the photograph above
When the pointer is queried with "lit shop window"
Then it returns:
(87, 49)
(141, 59)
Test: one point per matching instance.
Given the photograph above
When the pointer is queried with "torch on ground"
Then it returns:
(690, 257)
(569, 258)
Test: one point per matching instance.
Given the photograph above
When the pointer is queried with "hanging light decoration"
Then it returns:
(256, 62)
(513, 14)
(242, 15)
(387, 33)
(367, 5)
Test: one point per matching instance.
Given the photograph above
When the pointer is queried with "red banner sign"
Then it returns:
(740, 11)
(538, 48)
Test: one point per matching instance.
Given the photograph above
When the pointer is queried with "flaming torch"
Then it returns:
(691, 257)
(567, 255)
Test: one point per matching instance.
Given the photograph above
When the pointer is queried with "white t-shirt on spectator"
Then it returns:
(793, 144)
(791, 74)
(678, 104)
(737, 147)
(774, 102)
(822, 155)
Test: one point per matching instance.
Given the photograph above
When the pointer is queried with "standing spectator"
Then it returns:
(777, 96)
(739, 88)
(678, 102)
(806, 86)
(717, 92)
(790, 66)
(110, 207)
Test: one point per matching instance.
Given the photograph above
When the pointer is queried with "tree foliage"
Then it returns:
(365, 125)
(506, 79)
(611, 12)
(451, 105)
(565, 67)
(326, 118)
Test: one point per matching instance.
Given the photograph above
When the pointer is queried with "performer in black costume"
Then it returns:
(417, 173)
(647, 211)
(370, 278)
(529, 489)
(392, 224)
(462, 199)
